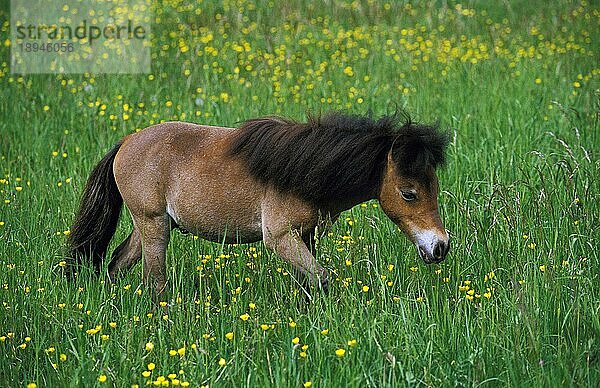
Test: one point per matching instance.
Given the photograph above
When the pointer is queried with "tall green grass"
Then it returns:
(515, 304)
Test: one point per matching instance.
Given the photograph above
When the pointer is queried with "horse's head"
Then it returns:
(409, 189)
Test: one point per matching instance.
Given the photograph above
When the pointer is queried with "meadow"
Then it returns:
(517, 301)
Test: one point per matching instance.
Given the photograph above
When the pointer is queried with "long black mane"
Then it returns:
(336, 156)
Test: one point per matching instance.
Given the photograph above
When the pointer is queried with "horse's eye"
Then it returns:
(408, 196)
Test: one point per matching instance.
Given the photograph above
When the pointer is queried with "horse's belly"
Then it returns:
(219, 222)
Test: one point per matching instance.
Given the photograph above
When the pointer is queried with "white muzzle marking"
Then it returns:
(426, 241)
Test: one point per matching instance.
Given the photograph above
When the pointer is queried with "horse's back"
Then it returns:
(150, 154)
(177, 136)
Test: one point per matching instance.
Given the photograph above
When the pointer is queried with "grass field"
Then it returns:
(516, 303)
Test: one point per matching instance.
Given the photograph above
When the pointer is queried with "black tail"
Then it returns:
(98, 215)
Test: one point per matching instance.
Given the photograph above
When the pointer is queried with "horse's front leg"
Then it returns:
(290, 246)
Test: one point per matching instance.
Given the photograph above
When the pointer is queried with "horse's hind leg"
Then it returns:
(127, 254)
(155, 238)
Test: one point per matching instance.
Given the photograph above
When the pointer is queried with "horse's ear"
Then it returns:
(390, 158)
(395, 139)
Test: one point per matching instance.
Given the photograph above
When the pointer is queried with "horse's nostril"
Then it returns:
(440, 250)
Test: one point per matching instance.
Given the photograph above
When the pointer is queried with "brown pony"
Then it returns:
(271, 179)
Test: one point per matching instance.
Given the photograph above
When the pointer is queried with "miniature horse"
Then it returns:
(271, 179)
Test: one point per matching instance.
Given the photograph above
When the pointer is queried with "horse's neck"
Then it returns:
(341, 204)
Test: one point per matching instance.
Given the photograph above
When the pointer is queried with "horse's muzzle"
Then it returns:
(435, 255)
